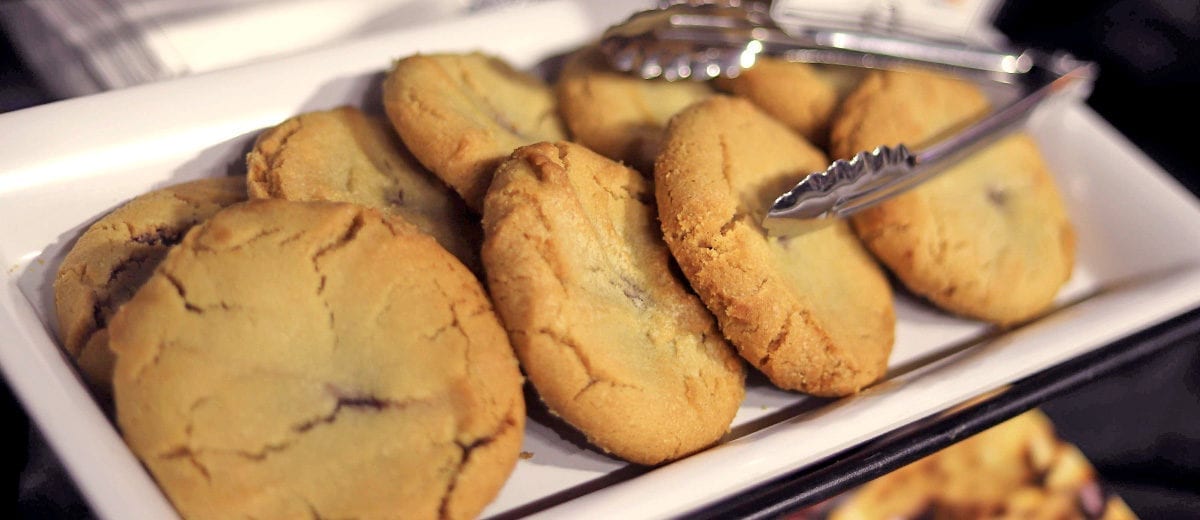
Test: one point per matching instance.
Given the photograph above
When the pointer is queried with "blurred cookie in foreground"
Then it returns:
(1015, 470)
(609, 336)
(116, 255)
(619, 115)
(462, 114)
(988, 238)
(317, 360)
(812, 311)
(344, 155)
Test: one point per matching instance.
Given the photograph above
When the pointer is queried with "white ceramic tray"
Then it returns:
(63, 165)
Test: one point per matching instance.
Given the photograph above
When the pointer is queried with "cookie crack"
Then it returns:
(347, 236)
(542, 246)
(347, 401)
(274, 186)
(466, 449)
(200, 246)
(633, 291)
(161, 236)
(595, 381)
(182, 292)
(776, 342)
(577, 350)
(312, 510)
(186, 453)
(125, 265)
(365, 403)
(644, 197)
(726, 163)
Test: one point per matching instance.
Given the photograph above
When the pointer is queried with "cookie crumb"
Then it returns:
(526, 455)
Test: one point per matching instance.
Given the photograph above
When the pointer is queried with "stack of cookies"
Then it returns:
(1017, 469)
(346, 342)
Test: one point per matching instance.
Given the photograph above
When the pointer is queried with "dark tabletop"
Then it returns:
(1140, 426)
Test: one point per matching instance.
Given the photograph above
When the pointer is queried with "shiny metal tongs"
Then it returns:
(702, 40)
(868, 178)
(720, 39)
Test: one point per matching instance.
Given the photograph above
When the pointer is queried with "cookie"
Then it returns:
(1017, 469)
(800, 95)
(316, 359)
(618, 115)
(345, 155)
(610, 338)
(462, 114)
(116, 255)
(813, 311)
(989, 238)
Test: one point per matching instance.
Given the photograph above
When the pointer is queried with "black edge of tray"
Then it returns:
(893, 450)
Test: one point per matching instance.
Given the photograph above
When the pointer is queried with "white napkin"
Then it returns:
(962, 20)
(79, 47)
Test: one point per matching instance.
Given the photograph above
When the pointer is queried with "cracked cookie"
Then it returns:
(800, 95)
(618, 115)
(611, 339)
(317, 359)
(462, 114)
(116, 255)
(345, 155)
(989, 238)
(813, 311)
(1016, 469)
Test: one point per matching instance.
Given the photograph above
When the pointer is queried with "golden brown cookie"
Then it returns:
(989, 238)
(813, 312)
(345, 155)
(1017, 469)
(317, 359)
(116, 255)
(618, 115)
(611, 339)
(462, 114)
(800, 95)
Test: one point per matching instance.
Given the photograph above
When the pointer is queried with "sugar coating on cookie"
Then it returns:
(989, 238)
(813, 311)
(115, 255)
(618, 115)
(800, 95)
(612, 340)
(317, 359)
(462, 114)
(1017, 469)
(345, 155)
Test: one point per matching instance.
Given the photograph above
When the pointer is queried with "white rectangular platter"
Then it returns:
(65, 164)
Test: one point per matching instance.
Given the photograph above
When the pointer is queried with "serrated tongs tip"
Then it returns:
(825, 194)
(847, 187)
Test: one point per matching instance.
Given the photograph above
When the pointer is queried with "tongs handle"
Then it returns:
(880, 51)
(847, 187)
(714, 26)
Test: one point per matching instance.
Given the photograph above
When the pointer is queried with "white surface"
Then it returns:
(191, 36)
(63, 165)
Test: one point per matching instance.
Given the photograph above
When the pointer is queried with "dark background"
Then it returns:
(1139, 426)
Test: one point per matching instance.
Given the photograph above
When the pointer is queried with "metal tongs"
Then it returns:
(703, 40)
